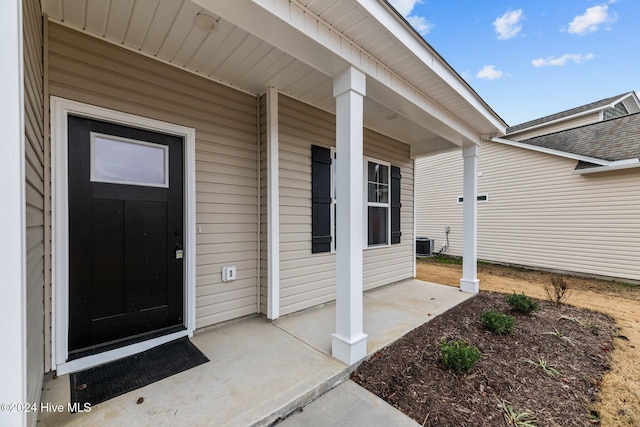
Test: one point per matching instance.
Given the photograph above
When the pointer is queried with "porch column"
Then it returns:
(12, 216)
(273, 207)
(469, 281)
(349, 343)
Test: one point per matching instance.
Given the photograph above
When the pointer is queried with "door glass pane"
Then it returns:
(125, 161)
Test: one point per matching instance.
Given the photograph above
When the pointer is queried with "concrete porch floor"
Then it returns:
(260, 371)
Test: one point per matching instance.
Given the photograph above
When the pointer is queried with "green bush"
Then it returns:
(498, 323)
(459, 356)
(522, 303)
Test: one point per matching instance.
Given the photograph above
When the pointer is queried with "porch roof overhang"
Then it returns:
(297, 47)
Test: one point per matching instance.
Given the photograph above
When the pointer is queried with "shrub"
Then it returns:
(498, 323)
(522, 303)
(459, 356)
(558, 290)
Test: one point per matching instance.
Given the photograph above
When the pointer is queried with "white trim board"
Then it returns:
(551, 151)
(60, 110)
(13, 297)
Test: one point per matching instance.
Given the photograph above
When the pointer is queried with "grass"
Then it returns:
(560, 335)
(515, 418)
(625, 285)
(546, 367)
(442, 259)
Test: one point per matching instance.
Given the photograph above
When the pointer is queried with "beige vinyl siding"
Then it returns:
(308, 279)
(438, 185)
(541, 215)
(556, 127)
(34, 188)
(86, 69)
(395, 262)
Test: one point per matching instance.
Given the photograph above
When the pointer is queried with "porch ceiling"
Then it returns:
(164, 29)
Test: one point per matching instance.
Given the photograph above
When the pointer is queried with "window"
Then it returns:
(118, 160)
(378, 206)
(382, 201)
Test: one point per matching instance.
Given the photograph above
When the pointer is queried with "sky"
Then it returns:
(529, 59)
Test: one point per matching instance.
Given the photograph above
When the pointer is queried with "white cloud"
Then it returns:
(420, 23)
(404, 6)
(508, 25)
(551, 61)
(591, 20)
(489, 72)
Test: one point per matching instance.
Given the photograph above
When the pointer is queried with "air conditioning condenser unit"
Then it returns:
(424, 247)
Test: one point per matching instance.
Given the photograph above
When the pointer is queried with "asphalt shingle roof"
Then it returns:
(565, 113)
(615, 139)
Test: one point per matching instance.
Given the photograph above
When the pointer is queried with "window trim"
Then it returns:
(367, 204)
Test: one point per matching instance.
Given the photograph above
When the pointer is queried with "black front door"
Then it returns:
(125, 234)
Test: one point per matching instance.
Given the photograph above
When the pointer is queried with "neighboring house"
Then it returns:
(568, 200)
(605, 109)
(191, 145)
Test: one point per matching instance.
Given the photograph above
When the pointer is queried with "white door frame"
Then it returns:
(60, 110)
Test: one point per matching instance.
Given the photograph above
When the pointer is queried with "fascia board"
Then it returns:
(379, 11)
(561, 119)
(613, 167)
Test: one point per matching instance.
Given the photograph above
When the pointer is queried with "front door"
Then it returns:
(125, 235)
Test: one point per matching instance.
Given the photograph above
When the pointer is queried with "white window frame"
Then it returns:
(368, 204)
(164, 148)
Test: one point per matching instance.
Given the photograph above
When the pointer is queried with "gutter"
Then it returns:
(578, 157)
(612, 166)
(603, 165)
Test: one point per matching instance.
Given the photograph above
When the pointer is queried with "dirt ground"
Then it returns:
(619, 397)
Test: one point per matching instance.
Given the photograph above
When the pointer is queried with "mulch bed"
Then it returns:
(409, 375)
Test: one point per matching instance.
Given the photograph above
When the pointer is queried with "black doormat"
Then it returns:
(104, 382)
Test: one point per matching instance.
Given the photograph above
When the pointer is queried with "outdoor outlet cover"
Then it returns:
(229, 273)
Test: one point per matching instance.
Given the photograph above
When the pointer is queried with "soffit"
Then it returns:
(426, 73)
(164, 29)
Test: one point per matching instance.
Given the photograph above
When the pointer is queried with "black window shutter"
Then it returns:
(395, 205)
(321, 199)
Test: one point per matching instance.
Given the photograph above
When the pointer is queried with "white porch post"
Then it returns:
(12, 216)
(273, 207)
(469, 281)
(349, 343)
